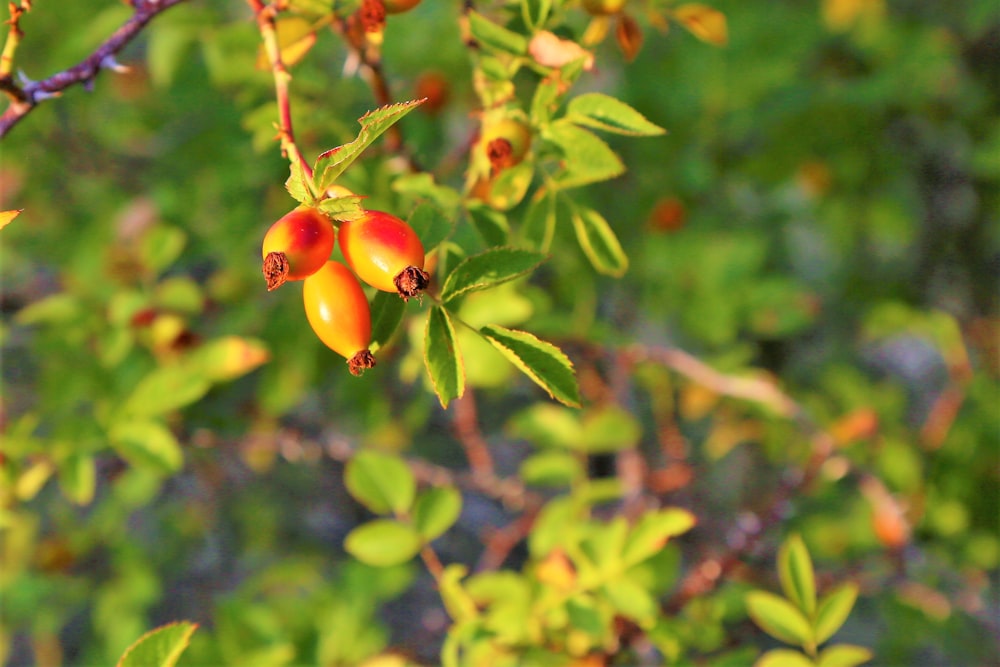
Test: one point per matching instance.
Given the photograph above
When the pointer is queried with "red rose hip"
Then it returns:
(296, 246)
(338, 313)
(385, 252)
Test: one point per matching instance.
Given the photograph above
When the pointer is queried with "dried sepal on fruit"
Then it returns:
(338, 312)
(385, 252)
(296, 246)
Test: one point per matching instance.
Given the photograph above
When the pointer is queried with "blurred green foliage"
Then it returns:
(825, 209)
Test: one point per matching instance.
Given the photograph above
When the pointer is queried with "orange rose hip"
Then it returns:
(385, 252)
(338, 312)
(296, 246)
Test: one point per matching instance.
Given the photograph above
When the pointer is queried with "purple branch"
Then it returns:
(27, 96)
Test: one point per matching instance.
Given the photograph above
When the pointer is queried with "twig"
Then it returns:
(265, 14)
(466, 424)
(25, 97)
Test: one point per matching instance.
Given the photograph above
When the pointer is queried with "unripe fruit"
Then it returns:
(338, 312)
(385, 252)
(603, 7)
(505, 142)
(296, 246)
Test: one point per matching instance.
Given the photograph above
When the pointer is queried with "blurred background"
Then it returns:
(824, 208)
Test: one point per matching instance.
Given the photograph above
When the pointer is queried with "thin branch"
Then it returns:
(27, 96)
(265, 15)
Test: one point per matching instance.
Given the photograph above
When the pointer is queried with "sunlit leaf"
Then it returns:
(833, 610)
(6, 217)
(495, 37)
(383, 542)
(436, 510)
(442, 357)
(704, 22)
(541, 361)
(586, 158)
(783, 657)
(147, 443)
(161, 647)
(843, 655)
(381, 482)
(795, 571)
(779, 618)
(488, 269)
(599, 242)
(650, 533)
(607, 113)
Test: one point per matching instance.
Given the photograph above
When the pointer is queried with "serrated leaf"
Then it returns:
(843, 655)
(343, 208)
(705, 23)
(6, 217)
(651, 532)
(795, 571)
(612, 115)
(541, 361)
(491, 224)
(442, 357)
(166, 389)
(783, 657)
(386, 312)
(834, 609)
(147, 443)
(489, 269)
(779, 618)
(160, 647)
(296, 184)
(435, 511)
(383, 542)
(295, 35)
(334, 162)
(431, 225)
(496, 37)
(599, 242)
(587, 159)
(381, 482)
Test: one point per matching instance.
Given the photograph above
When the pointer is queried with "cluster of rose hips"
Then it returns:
(380, 249)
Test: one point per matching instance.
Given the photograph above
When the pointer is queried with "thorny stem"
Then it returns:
(265, 14)
(14, 36)
(24, 98)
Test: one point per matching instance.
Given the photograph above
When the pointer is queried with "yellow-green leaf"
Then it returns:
(779, 618)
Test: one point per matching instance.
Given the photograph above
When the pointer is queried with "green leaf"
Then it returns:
(607, 113)
(491, 224)
(599, 243)
(609, 429)
(795, 570)
(543, 362)
(147, 443)
(843, 655)
(383, 542)
(539, 226)
(334, 162)
(436, 511)
(651, 532)
(166, 389)
(495, 37)
(547, 425)
(457, 601)
(296, 184)
(423, 185)
(834, 609)
(510, 186)
(430, 224)
(343, 208)
(386, 313)
(489, 269)
(381, 482)
(783, 657)
(779, 618)
(442, 357)
(59, 308)
(534, 12)
(632, 601)
(160, 247)
(78, 478)
(552, 468)
(160, 647)
(587, 159)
